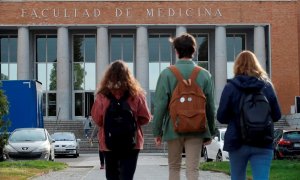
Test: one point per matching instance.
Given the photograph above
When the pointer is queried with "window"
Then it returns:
(84, 73)
(122, 47)
(160, 57)
(46, 63)
(201, 54)
(8, 57)
(235, 43)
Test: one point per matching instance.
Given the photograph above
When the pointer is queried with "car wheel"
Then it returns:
(76, 154)
(51, 158)
(219, 156)
(276, 156)
(205, 156)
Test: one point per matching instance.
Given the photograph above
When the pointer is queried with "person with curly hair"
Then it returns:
(118, 82)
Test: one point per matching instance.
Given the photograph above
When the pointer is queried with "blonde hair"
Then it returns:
(118, 77)
(246, 63)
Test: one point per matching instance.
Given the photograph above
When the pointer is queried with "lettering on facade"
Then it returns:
(60, 13)
(119, 12)
(170, 12)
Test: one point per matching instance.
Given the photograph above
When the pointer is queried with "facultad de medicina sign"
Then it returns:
(118, 12)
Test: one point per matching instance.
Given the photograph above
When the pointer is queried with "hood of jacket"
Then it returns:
(247, 83)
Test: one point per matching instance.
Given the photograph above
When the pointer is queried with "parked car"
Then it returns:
(29, 144)
(214, 151)
(286, 143)
(66, 144)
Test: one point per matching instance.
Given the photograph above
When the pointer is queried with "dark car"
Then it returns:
(286, 143)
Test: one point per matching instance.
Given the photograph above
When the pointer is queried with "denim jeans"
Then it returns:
(101, 157)
(260, 161)
(120, 165)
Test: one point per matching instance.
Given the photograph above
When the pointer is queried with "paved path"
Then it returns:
(150, 167)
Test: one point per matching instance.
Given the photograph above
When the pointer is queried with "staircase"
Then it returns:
(281, 124)
(149, 147)
(77, 128)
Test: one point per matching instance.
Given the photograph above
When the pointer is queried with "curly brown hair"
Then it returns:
(119, 77)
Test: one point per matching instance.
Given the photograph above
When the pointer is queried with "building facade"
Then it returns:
(67, 45)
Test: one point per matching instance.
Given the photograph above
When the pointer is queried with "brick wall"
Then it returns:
(282, 16)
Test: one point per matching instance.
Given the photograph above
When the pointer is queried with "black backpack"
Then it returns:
(119, 125)
(256, 124)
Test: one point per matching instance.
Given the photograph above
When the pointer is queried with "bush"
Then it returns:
(4, 124)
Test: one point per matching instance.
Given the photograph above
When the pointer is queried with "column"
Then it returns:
(180, 30)
(220, 61)
(64, 91)
(259, 45)
(142, 58)
(102, 61)
(23, 70)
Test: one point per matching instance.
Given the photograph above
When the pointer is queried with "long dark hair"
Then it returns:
(119, 77)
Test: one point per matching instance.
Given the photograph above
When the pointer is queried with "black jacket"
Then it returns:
(228, 111)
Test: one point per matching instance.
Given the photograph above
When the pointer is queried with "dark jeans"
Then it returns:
(120, 165)
(101, 156)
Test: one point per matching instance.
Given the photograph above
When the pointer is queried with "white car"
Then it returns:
(214, 151)
(66, 144)
(29, 144)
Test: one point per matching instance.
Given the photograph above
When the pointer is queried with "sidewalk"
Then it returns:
(150, 167)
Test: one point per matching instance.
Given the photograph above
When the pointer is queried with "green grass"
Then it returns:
(280, 169)
(21, 170)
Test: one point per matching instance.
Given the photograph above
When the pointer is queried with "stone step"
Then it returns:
(149, 146)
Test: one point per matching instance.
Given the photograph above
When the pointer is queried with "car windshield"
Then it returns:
(28, 135)
(63, 136)
(291, 135)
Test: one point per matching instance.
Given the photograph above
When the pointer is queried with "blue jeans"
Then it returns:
(86, 131)
(260, 161)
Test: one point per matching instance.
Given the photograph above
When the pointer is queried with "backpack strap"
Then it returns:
(176, 72)
(179, 77)
(195, 73)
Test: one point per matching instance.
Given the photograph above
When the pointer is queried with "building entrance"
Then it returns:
(83, 103)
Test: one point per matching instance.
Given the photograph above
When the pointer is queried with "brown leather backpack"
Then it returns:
(187, 104)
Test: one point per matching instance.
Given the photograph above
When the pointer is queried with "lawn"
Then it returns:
(280, 169)
(21, 170)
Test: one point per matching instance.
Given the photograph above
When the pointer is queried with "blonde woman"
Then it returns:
(117, 83)
(248, 76)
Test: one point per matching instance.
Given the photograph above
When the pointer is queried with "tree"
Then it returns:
(78, 70)
(4, 77)
(53, 76)
(4, 124)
